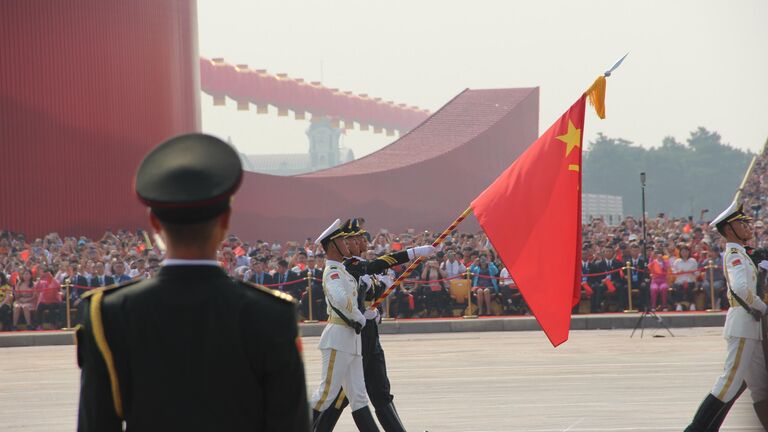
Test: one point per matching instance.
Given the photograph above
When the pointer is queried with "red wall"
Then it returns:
(87, 87)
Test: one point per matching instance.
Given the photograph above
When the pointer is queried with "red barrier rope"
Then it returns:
(420, 281)
(699, 269)
(498, 278)
(293, 282)
(36, 290)
(602, 273)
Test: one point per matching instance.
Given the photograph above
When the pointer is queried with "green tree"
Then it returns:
(682, 179)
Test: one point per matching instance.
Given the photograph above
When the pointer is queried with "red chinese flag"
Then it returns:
(532, 215)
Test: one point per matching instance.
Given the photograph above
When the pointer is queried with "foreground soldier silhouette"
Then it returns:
(190, 349)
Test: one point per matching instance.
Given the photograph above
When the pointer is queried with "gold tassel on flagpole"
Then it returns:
(596, 94)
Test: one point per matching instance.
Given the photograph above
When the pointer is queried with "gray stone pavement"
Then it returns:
(600, 380)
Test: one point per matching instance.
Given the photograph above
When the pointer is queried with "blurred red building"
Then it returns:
(87, 87)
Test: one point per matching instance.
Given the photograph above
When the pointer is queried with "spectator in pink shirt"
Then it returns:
(659, 268)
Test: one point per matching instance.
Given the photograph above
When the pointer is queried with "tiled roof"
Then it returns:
(456, 123)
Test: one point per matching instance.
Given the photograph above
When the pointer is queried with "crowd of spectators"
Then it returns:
(752, 194)
(38, 276)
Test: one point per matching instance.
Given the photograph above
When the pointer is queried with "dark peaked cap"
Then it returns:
(352, 228)
(189, 178)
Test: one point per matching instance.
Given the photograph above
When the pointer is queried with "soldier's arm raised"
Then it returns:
(390, 260)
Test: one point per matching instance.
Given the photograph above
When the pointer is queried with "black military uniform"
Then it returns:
(190, 349)
(374, 363)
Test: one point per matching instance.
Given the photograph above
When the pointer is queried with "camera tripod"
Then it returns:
(648, 312)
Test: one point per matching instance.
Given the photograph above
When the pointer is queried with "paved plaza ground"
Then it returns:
(600, 380)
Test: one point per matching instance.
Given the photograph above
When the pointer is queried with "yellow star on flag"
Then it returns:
(572, 138)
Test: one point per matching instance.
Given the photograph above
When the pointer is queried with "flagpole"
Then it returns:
(415, 263)
(596, 95)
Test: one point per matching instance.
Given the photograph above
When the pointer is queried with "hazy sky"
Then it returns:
(691, 63)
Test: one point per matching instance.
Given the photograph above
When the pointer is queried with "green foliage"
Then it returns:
(682, 179)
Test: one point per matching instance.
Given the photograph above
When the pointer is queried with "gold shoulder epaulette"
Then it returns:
(277, 294)
(109, 287)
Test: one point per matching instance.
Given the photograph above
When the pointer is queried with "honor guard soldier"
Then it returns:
(190, 349)
(743, 331)
(340, 345)
(374, 364)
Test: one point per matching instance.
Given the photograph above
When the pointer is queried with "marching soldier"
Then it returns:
(745, 361)
(374, 364)
(191, 349)
(758, 256)
(340, 344)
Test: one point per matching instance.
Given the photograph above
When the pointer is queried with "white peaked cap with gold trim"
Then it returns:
(734, 212)
(331, 230)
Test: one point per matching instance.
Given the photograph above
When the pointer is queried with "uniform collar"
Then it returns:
(736, 246)
(330, 262)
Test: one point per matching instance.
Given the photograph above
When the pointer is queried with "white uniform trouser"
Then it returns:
(340, 369)
(745, 362)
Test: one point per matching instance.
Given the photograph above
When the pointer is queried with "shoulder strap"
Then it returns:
(277, 294)
(353, 324)
(115, 286)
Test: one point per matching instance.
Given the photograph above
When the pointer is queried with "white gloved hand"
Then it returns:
(362, 322)
(421, 251)
(370, 314)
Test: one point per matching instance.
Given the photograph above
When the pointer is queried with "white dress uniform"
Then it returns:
(745, 360)
(340, 345)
